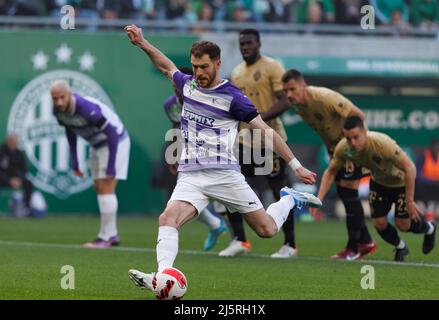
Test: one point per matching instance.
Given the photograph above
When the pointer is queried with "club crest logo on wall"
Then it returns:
(41, 137)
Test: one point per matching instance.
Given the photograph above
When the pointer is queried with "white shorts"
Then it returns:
(99, 160)
(225, 186)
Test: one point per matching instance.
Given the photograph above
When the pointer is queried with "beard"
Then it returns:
(212, 77)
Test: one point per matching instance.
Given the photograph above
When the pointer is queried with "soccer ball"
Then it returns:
(169, 284)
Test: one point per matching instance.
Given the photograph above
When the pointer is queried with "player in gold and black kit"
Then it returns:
(259, 78)
(325, 111)
(392, 182)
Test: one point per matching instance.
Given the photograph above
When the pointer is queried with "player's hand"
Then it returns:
(78, 173)
(306, 176)
(15, 183)
(413, 211)
(134, 34)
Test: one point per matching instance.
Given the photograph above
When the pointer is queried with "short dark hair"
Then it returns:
(292, 74)
(200, 48)
(186, 70)
(353, 122)
(251, 32)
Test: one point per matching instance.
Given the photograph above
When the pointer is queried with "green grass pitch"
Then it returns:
(34, 251)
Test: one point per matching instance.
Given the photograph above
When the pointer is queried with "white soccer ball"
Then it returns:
(169, 284)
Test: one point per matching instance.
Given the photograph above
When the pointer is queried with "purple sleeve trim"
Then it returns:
(180, 79)
(242, 109)
(90, 111)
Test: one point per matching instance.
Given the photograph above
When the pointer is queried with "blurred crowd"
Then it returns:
(399, 13)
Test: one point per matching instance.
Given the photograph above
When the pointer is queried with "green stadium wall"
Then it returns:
(137, 91)
(134, 87)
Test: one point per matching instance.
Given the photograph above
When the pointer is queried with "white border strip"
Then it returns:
(195, 252)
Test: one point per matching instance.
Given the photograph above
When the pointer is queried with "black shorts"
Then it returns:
(358, 173)
(382, 198)
(278, 172)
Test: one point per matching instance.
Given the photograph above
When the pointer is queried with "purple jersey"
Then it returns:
(173, 109)
(209, 123)
(97, 123)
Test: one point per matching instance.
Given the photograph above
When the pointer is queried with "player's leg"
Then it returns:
(171, 220)
(237, 224)
(216, 225)
(266, 223)
(380, 204)
(209, 219)
(230, 188)
(239, 243)
(28, 188)
(420, 226)
(359, 239)
(106, 191)
(277, 180)
(176, 214)
(108, 205)
(186, 202)
(238, 196)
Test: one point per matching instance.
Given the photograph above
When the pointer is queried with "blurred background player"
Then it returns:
(392, 182)
(427, 178)
(173, 106)
(100, 126)
(326, 111)
(13, 169)
(259, 78)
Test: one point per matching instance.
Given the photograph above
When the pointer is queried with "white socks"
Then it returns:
(108, 209)
(211, 220)
(430, 228)
(280, 210)
(401, 244)
(167, 247)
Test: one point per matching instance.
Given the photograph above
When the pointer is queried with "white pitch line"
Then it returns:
(195, 252)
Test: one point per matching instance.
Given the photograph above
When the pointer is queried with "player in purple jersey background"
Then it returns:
(100, 126)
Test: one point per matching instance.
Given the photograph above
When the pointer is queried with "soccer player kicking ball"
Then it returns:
(110, 151)
(392, 182)
(208, 169)
(173, 106)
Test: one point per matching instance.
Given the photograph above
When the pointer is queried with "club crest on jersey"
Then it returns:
(192, 86)
(44, 140)
(257, 75)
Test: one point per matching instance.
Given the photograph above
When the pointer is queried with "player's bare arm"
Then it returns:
(326, 183)
(280, 106)
(282, 149)
(409, 169)
(162, 62)
(327, 180)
